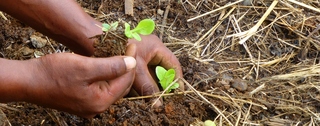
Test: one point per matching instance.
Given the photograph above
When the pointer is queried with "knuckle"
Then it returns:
(147, 89)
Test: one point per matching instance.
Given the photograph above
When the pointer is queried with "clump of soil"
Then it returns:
(109, 44)
(271, 79)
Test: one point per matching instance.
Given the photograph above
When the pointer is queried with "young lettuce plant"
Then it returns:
(112, 27)
(166, 78)
(209, 123)
(144, 27)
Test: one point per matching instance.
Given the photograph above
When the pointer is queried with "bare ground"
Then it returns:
(241, 64)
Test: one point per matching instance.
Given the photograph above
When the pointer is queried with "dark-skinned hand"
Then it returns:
(152, 52)
(81, 85)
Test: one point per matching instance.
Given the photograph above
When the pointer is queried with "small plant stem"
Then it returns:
(135, 29)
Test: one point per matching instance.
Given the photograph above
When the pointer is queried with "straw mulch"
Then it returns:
(273, 47)
(270, 46)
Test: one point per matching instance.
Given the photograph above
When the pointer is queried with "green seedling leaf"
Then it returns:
(170, 76)
(136, 36)
(127, 30)
(209, 123)
(160, 71)
(166, 78)
(105, 27)
(114, 26)
(175, 86)
(144, 27)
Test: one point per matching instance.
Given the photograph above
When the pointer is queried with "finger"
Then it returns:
(144, 83)
(131, 50)
(119, 87)
(165, 58)
(109, 68)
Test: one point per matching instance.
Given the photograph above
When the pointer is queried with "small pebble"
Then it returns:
(227, 77)
(160, 12)
(38, 54)
(247, 2)
(37, 41)
(26, 51)
(239, 84)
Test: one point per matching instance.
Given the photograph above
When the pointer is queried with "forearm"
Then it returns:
(65, 21)
(14, 79)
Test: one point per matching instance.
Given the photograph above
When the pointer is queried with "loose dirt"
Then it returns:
(272, 79)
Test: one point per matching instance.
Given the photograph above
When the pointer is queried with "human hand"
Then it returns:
(81, 85)
(151, 52)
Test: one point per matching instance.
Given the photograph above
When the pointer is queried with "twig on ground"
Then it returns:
(305, 5)
(206, 100)
(5, 106)
(220, 8)
(2, 15)
(164, 20)
(247, 34)
(3, 119)
(257, 89)
(128, 7)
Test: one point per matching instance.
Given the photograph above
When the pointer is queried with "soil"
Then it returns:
(222, 84)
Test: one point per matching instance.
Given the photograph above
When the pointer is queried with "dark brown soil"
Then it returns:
(226, 85)
(109, 45)
(177, 109)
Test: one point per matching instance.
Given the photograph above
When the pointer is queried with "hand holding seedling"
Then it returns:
(84, 86)
(152, 52)
(80, 85)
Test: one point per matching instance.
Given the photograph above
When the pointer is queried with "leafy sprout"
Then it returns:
(209, 123)
(112, 27)
(166, 78)
(144, 27)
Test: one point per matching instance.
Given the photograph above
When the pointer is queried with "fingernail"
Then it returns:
(157, 103)
(130, 62)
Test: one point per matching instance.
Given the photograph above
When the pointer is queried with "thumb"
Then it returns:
(110, 68)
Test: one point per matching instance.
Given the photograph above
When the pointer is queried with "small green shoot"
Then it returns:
(209, 123)
(144, 27)
(166, 78)
(112, 27)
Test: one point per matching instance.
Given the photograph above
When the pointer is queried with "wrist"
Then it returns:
(64, 21)
(14, 80)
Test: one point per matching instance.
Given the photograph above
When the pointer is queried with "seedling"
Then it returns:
(112, 27)
(144, 27)
(209, 123)
(166, 78)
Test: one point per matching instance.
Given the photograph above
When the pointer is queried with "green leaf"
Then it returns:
(127, 31)
(114, 26)
(105, 27)
(209, 123)
(145, 27)
(166, 77)
(175, 86)
(163, 83)
(160, 72)
(170, 75)
(136, 36)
